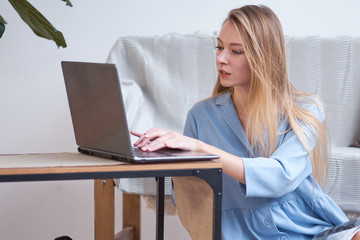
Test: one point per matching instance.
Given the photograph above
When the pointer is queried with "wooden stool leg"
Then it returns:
(131, 213)
(104, 209)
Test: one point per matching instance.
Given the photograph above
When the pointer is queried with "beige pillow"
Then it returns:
(194, 204)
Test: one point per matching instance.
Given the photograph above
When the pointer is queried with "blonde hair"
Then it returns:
(272, 96)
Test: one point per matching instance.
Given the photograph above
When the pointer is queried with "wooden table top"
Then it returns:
(47, 163)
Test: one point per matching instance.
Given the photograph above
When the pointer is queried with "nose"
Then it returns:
(222, 57)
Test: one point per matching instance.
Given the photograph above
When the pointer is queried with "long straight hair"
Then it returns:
(272, 96)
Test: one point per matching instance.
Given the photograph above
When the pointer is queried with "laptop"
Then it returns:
(99, 117)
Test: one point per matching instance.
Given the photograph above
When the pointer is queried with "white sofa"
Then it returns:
(330, 68)
(163, 76)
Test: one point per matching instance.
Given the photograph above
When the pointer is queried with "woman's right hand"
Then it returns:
(157, 138)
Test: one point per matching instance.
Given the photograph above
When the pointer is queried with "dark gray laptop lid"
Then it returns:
(97, 120)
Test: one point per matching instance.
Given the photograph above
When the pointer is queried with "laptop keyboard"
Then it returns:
(163, 152)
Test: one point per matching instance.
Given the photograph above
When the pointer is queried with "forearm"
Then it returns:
(232, 165)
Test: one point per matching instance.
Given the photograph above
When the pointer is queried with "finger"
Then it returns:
(160, 142)
(155, 133)
(174, 144)
(175, 141)
(140, 140)
(137, 134)
(149, 136)
(144, 142)
(154, 145)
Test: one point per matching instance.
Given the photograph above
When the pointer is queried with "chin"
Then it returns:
(226, 83)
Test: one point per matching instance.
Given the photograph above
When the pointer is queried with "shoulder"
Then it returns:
(212, 103)
(204, 106)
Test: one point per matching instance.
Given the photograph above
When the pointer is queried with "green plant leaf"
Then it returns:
(2, 25)
(37, 22)
(68, 3)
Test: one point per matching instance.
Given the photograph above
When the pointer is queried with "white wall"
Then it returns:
(34, 115)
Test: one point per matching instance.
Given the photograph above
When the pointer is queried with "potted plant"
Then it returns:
(36, 21)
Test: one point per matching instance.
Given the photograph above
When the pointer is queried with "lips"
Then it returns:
(223, 73)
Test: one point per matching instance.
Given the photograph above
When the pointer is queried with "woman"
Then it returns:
(270, 136)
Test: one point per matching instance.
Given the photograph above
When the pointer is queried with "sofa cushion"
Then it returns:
(343, 178)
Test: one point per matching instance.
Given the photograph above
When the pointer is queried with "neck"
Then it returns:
(240, 97)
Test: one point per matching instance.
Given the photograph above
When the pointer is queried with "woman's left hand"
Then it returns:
(157, 138)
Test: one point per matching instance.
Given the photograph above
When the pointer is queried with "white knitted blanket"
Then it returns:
(161, 78)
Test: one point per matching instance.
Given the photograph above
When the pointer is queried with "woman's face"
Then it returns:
(232, 65)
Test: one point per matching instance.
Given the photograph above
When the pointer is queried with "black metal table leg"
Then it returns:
(160, 208)
(215, 182)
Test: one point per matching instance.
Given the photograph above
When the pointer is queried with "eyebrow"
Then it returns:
(231, 44)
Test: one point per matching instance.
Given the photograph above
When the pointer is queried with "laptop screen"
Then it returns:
(95, 103)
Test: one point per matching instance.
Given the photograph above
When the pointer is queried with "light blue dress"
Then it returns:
(279, 200)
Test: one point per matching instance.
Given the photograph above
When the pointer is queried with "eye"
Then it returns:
(219, 48)
(238, 52)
